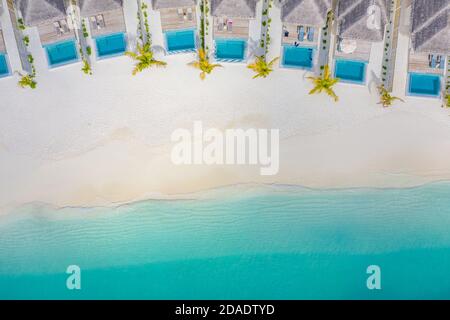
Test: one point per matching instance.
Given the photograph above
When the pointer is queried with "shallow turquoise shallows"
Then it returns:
(424, 84)
(299, 57)
(111, 45)
(351, 70)
(180, 40)
(4, 69)
(241, 243)
(61, 53)
(230, 49)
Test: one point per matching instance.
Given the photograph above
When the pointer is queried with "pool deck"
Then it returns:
(170, 20)
(362, 52)
(2, 42)
(293, 35)
(114, 22)
(418, 62)
(48, 34)
(239, 30)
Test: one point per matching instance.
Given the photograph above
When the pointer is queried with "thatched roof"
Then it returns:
(308, 12)
(352, 16)
(35, 12)
(234, 8)
(92, 7)
(430, 26)
(163, 4)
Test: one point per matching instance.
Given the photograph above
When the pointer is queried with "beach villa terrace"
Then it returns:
(302, 22)
(107, 25)
(430, 47)
(56, 36)
(179, 24)
(355, 39)
(231, 25)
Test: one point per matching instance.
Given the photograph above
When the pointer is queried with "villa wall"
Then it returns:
(23, 52)
(2, 42)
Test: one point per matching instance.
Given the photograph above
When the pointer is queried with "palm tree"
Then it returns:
(261, 67)
(203, 64)
(386, 99)
(144, 58)
(27, 81)
(86, 67)
(324, 83)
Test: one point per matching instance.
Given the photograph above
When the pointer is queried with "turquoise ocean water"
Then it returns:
(274, 242)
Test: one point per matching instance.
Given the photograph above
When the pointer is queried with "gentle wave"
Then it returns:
(259, 221)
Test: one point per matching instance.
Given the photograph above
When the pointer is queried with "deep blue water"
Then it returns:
(4, 69)
(230, 49)
(111, 45)
(180, 40)
(350, 70)
(61, 53)
(298, 57)
(424, 84)
(245, 243)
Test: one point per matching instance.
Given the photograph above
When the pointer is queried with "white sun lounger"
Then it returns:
(58, 29)
(189, 14)
(94, 24)
(101, 21)
(229, 25)
(64, 26)
(180, 14)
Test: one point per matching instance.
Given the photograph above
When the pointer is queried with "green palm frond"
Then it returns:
(203, 64)
(144, 58)
(262, 67)
(324, 83)
(386, 99)
(27, 81)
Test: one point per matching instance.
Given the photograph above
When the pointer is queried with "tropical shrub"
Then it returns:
(324, 83)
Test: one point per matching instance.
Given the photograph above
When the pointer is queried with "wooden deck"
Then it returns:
(2, 42)
(419, 62)
(114, 22)
(362, 52)
(239, 29)
(48, 34)
(291, 30)
(172, 20)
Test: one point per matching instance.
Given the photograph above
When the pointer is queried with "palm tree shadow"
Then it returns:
(254, 48)
(307, 73)
(374, 80)
(159, 50)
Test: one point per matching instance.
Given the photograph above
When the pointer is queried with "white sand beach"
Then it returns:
(103, 140)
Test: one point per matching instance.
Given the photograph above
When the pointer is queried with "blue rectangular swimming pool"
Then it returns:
(351, 70)
(111, 45)
(61, 53)
(4, 69)
(298, 57)
(180, 40)
(230, 49)
(424, 84)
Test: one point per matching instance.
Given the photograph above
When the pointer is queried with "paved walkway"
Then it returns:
(390, 45)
